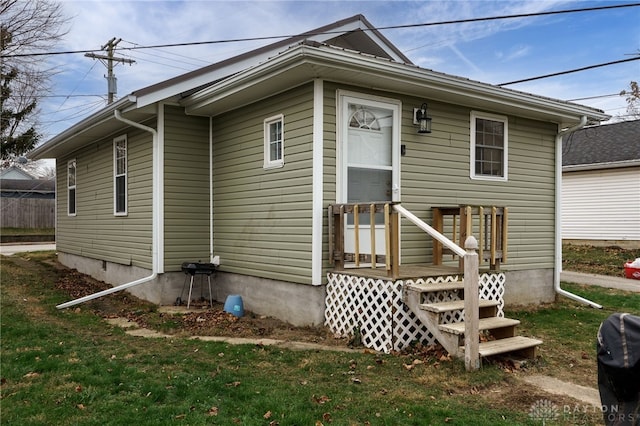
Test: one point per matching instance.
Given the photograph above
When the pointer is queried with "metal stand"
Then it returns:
(193, 274)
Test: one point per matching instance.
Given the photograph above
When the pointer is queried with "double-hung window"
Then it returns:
(71, 188)
(120, 176)
(489, 155)
(274, 142)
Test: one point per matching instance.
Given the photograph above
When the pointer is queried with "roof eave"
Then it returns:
(601, 166)
(53, 145)
(404, 78)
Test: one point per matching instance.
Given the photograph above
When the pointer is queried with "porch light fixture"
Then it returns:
(423, 119)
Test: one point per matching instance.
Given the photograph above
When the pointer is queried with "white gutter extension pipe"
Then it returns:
(558, 218)
(154, 225)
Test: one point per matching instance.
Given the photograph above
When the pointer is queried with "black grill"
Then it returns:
(193, 268)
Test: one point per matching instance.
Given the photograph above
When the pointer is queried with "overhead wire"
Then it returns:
(139, 48)
(308, 34)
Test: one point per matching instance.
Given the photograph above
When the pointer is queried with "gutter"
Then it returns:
(558, 218)
(156, 228)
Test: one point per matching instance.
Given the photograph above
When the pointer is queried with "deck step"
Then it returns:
(455, 305)
(510, 344)
(490, 323)
(432, 288)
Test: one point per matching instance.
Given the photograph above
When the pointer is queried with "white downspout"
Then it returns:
(211, 257)
(558, 218)
(156, 229)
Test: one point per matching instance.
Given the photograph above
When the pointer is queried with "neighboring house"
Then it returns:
(26, 202)
(601, 185)
(16, 173)
(240, 160)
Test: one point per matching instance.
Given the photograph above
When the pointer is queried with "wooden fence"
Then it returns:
(23, 212)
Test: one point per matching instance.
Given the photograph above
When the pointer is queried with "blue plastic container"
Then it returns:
(234, 305)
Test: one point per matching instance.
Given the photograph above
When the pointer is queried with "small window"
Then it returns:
(71, 188)
(489, 136)
(274, 142)
(120, 176)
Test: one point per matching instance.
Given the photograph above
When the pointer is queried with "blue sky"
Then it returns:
(493, 52)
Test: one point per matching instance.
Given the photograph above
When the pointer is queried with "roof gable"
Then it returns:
(14, 172)
(354, 33)
(617, 143)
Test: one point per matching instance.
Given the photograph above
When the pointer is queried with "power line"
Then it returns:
(309, 34)
(569, 71)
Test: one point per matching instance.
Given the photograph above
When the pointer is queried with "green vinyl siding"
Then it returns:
(186, 188)
(435, 172)
(95, 232)
(262, 219)
(436, 169)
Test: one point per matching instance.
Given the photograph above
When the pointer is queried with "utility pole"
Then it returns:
(108, 60)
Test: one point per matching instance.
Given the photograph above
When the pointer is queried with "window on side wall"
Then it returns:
(120, 176)
(489, 137)
(274, 142)
(71, 188)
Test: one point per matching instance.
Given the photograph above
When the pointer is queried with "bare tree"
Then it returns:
(633, 100)
(26, 27)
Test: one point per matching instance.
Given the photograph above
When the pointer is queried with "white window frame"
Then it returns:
(72, 187)
(472, 164)
(271, 163)
(118, 174)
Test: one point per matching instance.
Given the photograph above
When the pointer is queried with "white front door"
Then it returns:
(369, 162)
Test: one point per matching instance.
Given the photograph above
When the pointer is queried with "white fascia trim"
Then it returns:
(317, 208)
(341, 59)
(601, 166)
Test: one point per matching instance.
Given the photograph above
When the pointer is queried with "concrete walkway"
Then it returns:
(600, 280)
(9, 249)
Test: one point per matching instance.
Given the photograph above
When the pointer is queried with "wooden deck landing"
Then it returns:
(405, 272)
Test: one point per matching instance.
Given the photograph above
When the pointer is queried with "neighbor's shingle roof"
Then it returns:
(608, 143)
(28, 185)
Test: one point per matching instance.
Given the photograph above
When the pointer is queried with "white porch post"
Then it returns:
(471, 301)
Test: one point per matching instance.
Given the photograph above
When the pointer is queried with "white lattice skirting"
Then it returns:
(375, 306)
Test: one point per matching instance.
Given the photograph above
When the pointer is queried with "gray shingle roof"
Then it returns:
(608, 143)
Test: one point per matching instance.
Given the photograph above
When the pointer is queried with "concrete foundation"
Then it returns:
(529, 287)
(297, 304)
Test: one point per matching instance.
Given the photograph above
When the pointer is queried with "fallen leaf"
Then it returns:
(326, 417)
(409, 367)
(356, 380)
(78, 388)
(31, 375)
(267, 415)
(213, 411)
(274, 423)
(319, 423)
(321, 400)
(233, 384)
(80, 406)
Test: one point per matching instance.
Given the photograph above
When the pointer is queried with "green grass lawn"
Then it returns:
(597, 260)
(27, 231)
(70, 367)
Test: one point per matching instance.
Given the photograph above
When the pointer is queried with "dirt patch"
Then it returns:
(200, 320)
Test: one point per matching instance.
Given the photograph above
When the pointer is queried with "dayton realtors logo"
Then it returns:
(544, 411)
